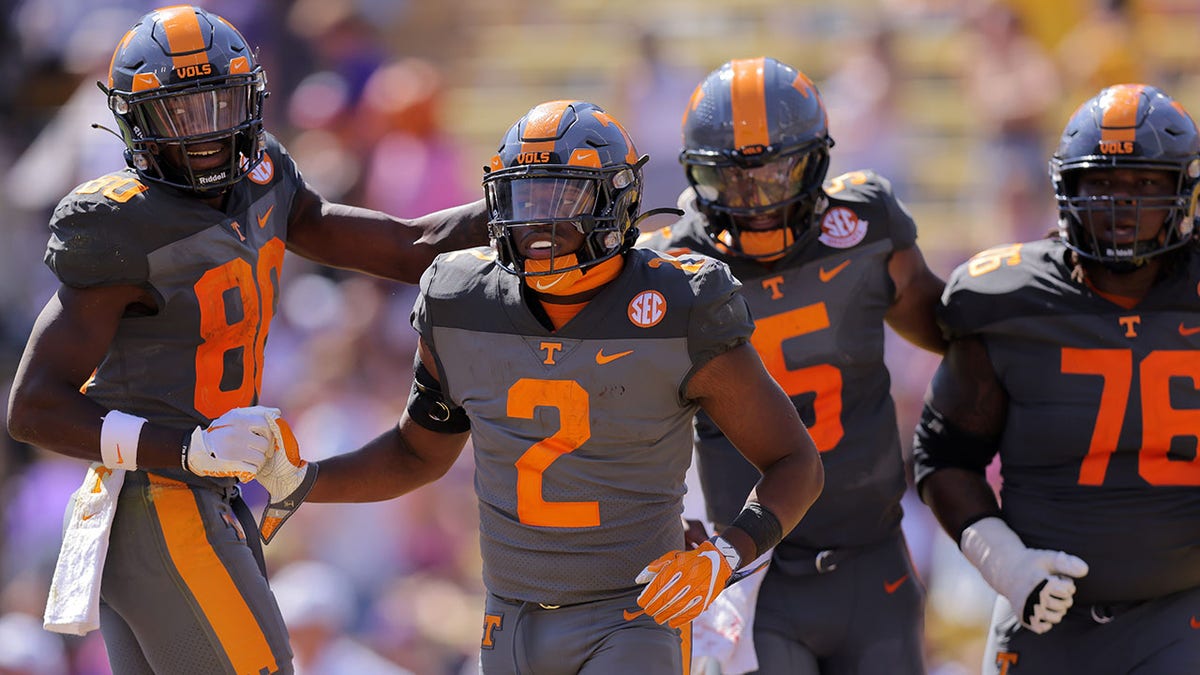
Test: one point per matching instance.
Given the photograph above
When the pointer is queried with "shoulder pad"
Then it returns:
(98, 233)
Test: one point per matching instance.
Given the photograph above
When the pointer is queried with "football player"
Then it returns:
(575, 363)
(823, 265)
(1076, 359)
(149, 358)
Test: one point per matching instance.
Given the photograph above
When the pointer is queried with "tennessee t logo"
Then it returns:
(491, 624)
(1004, 660)
(238, 229)
(1130, 323)
(772, 284)
(550, 348)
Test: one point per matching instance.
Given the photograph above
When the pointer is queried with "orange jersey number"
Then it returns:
(1160, 422)
(571, 401)
(823, 380)
(228, 335)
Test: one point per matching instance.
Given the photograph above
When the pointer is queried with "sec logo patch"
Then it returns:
(264, 172)
(841, 228)
(647, 308)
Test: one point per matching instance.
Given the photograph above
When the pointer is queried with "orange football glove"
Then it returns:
(683, 583)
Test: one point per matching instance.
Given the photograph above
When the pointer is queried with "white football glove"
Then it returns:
(235, 444)
(286, 476)
(1040, 584)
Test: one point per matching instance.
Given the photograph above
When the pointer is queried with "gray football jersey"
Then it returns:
(582, 436)
(214, 275)
(1099, 448)
(819, 317)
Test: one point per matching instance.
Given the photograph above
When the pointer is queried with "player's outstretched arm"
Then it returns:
(376, 243)
(419, 450)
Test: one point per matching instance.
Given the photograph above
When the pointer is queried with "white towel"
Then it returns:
(73, 606)
(725, 631)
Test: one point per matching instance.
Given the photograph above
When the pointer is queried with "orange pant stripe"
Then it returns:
(206, 577)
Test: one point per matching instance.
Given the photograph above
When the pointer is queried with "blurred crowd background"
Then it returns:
(397, 105)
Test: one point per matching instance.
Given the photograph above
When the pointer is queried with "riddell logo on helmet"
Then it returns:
(1116, 147)
(533, 157)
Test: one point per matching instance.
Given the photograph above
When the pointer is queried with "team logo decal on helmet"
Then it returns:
(756, 150)
(564, 164)
(1127, 126)
(187, 95)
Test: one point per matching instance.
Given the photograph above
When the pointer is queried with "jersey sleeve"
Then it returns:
(720, 318)
(92, 244)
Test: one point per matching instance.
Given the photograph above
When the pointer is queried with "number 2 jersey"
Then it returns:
(1099, 449)
(214, 276)
(819, 315)
(582, 436)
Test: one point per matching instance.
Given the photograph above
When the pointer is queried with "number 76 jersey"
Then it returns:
(214, 276)
(1099, 449)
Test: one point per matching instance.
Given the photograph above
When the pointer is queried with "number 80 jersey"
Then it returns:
(214, 276)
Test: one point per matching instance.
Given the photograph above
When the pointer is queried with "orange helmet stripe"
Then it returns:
(184, 39)
(1121, 113)
(747, 95)
(542, 122)
(541, 126)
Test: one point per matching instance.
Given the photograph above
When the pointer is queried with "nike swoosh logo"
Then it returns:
(1195, 623)
(630, 616)
(219, 426)
(602, 358)
(88, 516)
(120, 459)
(537, 283)
(262, 220)
(891, 587)
(828, 276)
(1187, 332)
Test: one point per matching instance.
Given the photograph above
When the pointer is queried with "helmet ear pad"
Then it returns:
(1127, 127)
(750, 113)
(565, 143)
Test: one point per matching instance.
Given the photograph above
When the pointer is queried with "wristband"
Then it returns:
(762, 526)
(731, 555)
(119, 440)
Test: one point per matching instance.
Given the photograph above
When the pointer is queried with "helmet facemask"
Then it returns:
(1090, 225)
(759, 206)
(597, 203)
(162, 126)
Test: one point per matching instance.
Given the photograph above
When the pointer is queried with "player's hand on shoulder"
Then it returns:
(236, 444)
(682, 584)
(1039, 583)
